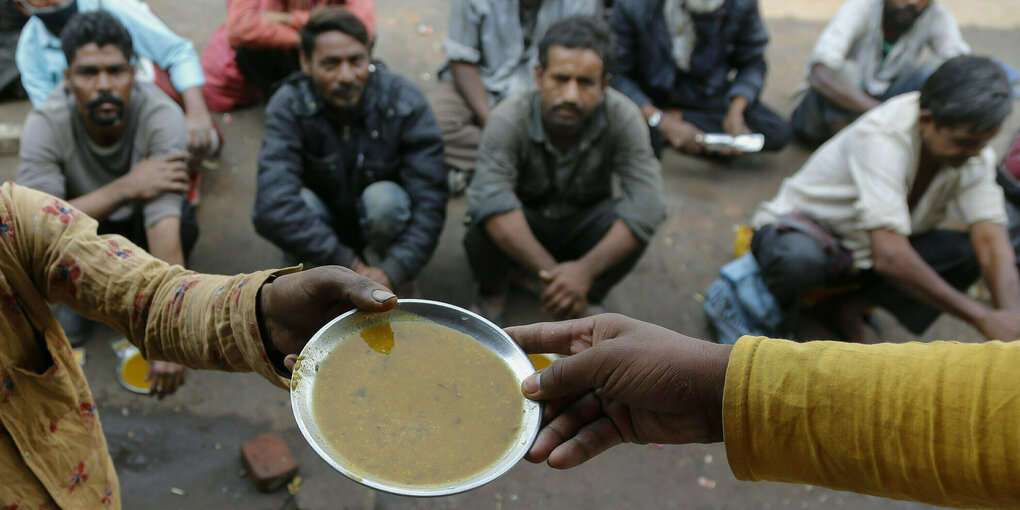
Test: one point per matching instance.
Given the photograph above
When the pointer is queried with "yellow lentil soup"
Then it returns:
(416, 403)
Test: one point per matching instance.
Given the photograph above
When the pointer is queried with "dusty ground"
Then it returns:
(191, 441)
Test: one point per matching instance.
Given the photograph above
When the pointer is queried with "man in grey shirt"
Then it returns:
(115, 149)
(542, 197)
(490, 55)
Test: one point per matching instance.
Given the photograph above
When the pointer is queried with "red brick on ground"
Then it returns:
(268, 461)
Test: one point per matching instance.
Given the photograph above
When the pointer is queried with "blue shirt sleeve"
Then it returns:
(156, 42)
(41, 66)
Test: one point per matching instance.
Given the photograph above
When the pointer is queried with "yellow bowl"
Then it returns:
(132, 371)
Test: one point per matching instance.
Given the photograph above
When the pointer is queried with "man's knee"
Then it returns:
(791, 263)
(384, 210)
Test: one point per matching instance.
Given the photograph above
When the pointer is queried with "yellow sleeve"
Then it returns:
(170, 313)
(932, 422)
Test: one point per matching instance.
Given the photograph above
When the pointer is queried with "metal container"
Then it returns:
(743, 143)
(458, 319)
(130, 358)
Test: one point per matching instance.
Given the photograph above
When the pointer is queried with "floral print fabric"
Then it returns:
(52, 449)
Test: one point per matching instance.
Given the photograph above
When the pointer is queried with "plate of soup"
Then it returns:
(422, 400)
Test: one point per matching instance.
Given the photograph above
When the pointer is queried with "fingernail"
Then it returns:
(382, 296)
(530, 385)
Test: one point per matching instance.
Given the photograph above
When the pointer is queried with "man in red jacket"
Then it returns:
(257, 48)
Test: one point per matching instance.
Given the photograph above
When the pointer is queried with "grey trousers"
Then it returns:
(461, 132)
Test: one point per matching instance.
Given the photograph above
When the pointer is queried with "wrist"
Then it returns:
(194, 102)
(976, 313)
(717, 363)
(123, 190)
(738, 104)
(274, 354)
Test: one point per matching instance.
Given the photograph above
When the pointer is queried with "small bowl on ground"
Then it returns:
(347, 327)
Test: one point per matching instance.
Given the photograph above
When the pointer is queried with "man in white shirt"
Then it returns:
(871, 51)
(864, 212)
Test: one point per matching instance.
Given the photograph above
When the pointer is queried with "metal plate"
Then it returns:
(458, 319)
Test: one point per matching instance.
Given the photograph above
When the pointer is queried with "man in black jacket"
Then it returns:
(695, 67)
(351, 168)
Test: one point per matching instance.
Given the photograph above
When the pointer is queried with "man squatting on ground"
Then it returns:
(351, 168)
(542, 196)
(116, 149)
(870, 51)
(865, 211)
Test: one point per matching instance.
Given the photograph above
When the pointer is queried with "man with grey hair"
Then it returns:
(695, 66)
(864, 213)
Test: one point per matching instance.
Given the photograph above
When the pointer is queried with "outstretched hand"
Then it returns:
(626, 381)
(296, 305)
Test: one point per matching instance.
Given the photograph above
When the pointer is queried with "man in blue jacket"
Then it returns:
(351, 168)
(675, 58)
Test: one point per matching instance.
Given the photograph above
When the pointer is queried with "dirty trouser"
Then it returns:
(793, 263)
(814, 117)
(383, 210)
(461, 132)
(567, 239)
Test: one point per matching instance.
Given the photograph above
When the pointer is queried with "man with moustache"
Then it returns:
(865, 214)
(351, 168)
(115, 149)
(179, 73)
(542, 197)
(490, 55)
(869, 52)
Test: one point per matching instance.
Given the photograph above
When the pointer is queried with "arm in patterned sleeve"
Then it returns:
(202, 321)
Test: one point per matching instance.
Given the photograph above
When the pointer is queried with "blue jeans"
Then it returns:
(815, 116)
(384, 209)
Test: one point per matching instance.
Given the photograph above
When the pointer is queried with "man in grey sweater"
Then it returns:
(116, 150)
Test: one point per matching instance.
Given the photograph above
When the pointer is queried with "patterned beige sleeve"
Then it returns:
(170, 313)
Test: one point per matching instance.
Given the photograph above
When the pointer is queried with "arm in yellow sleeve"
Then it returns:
(934, 422)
